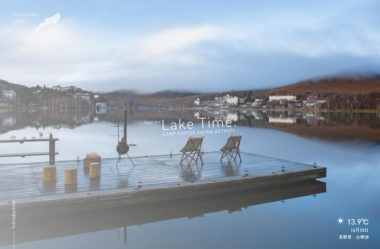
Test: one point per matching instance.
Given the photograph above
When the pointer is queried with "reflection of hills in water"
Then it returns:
(326, 125)
(332, 125)
(14, 120)
(336, 125)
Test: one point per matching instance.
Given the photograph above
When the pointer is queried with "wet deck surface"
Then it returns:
(25, 180)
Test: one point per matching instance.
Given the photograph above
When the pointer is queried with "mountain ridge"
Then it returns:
(344, 84)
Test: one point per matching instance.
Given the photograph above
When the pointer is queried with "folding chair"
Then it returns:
(231, 149)
(192, 150)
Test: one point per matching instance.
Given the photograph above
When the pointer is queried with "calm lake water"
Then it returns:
(352, 182)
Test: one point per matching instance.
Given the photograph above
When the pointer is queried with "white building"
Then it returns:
(231, 116)
(9, 94)
(84, 96)
(197, 102)
(231, 100)
(57, 88)
(214, 103)
(4, 102)
(257, 102)
(273, 98)
(256, 115)
(8, 121)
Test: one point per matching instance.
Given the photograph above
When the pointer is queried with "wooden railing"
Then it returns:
(51, 152)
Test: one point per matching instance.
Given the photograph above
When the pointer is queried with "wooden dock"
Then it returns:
(155, 178)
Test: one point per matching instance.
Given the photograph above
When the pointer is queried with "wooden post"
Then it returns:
(125, 235)
(49, 173)
(71, 176)
(94, 171)
(125, 124)
(51, 150)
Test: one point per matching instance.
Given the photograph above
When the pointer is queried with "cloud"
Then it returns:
(297, 35)
(175, 39)
(254, 51)
(49, 21)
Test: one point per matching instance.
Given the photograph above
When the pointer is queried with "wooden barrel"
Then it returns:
(91, 158)
(49, 173)
(71, 176)
(94, 171)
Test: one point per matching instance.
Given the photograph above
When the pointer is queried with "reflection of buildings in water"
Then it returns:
(101, 108)
(8, 121)
(65, 219)
(44, 118)
(283, 120)
(313, 118)
(261, 118)
(256, 115)
(216, 114)
(311, 122)
(220, 115)
(232, 116)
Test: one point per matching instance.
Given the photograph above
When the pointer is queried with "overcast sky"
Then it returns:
(199, 45)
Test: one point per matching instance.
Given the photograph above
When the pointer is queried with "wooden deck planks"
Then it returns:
(18, 181)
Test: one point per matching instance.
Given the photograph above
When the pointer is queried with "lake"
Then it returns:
(347, 144)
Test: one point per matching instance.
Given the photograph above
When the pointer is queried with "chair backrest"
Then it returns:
(193, 144)
(233, 142)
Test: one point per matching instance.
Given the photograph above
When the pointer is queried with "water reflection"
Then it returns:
(353, 168)
(59, 118)
(231, 168)
(333, 125)
(59, 220)
(191, 172)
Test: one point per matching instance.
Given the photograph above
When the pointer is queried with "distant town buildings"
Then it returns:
(4, 102)
(267, 102)
(313, 101)
(279, 98)
(231, 100)
(72, 89)
(197, 102)
(54, 97)
(257, 103)
(85, 96)
(214, 103)
(9, 94)
(217, 102)
(8, 97)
